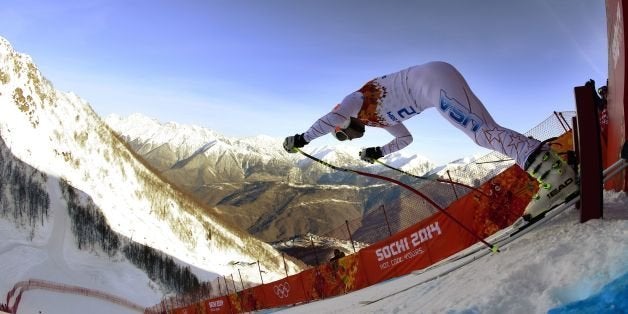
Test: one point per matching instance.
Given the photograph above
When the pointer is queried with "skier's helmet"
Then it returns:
(350, 129)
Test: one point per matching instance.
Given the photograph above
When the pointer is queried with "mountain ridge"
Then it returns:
(61, 136)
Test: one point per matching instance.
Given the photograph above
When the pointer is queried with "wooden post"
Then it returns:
(591, 180)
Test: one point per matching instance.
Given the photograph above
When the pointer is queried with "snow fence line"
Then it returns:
(36, 284)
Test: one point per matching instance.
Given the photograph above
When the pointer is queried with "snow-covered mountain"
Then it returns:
(57, 151)
(254, 183)
(473, 170)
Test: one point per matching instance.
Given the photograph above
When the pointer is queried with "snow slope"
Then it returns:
(53, 256)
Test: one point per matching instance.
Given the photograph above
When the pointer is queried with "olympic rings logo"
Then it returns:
(282, 290)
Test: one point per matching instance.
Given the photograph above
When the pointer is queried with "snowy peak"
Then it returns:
(188, 138)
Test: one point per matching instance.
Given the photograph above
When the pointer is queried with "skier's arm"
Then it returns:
(402, 138)
(349, 107)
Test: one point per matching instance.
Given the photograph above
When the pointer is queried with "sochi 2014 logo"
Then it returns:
(282, 290)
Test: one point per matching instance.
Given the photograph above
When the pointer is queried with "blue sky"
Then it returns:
(273, 67)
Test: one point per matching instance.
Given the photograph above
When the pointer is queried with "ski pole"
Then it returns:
(492, 247)
(493, 161)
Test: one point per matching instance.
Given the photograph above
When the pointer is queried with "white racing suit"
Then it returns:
(390, 99)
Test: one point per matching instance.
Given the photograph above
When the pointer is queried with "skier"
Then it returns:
(389, 100)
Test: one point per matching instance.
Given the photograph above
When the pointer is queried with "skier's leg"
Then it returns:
(458, 104)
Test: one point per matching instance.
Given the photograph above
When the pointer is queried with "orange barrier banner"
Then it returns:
(219, 305)
(493, 207)
(314, 284)
(190, 309)
(500, 203)
(216, 306)
(412, 248)
(284, 292)
(349, 272)
(334, 278)
(247, 300)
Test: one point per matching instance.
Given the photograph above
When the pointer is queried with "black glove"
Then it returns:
(371, 154)
(292, 142)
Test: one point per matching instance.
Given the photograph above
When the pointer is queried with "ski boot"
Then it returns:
(557, 182)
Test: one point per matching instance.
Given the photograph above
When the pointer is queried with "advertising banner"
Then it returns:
(216, 306)
(334, 278)
(494, 206)
(284, 292)
(248, 300)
